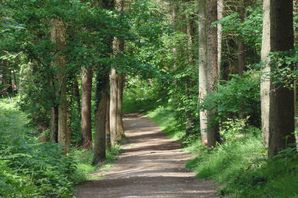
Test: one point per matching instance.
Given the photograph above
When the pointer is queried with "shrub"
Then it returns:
(29, 168)
(239, 97)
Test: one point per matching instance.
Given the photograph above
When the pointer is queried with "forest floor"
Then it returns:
(150, 165)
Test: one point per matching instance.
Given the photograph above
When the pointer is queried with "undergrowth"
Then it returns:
(85, 171)
(29, 168)
(239, 166)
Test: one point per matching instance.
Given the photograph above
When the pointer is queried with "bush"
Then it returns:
(237, 98)
(29, 168)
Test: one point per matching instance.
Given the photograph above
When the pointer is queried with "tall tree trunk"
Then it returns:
(212, 69)
(120, 128)
(102, 98)
(116, 125)
(220, 10)
(241, 45)
(54, 124)
(113, 107)
(76, 94)
(277, 102)
(86, 107)
(100, 119)
(203, 68)
(108, 132)
(191, 63)
(208, 69)
(58, 36)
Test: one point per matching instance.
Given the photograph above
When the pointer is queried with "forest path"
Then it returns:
(150, 165)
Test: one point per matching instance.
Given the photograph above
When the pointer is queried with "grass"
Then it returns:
(165, 118)
(239, 166)
(86, 171)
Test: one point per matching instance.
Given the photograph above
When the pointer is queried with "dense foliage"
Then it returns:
(30, 168)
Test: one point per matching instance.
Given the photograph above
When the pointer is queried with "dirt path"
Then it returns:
(150, 165)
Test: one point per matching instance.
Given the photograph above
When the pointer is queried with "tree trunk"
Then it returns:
(100, 122)
(203, 68)
(116, 125)
(212, 69)
(113, 107)
(108, 132)
(54, 124)
(220, 9)
(191, 63)
(76, 94)
(277, 102)
(208, 68)
(58, 36)
(241, 45)
(86, 107)
(120, 128)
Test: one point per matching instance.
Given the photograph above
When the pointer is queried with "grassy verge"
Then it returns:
(240, 165)
(85, 171)
(30, 168)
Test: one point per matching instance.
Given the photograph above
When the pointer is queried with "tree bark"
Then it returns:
(100, 122)
(76, 94)
(108, 132)
(120, 128)
(189, 126)
(277, 102)
(102, 98)
(203, 68)
(58, 36)
(220, 9)
(212, 69)
(116, 125)
(86, 107)
(208, 69)
(54, 124)
(113, 107)
(241, 45)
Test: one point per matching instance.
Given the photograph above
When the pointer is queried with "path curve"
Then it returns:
(150, 165)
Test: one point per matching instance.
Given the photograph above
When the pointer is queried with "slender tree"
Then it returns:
(240, 43)
(220, 10)
(113, 107)
(86, 107)
(277, 101)
(120, 84)
(116, 125)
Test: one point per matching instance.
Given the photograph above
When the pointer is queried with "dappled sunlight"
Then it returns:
(150, 165)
